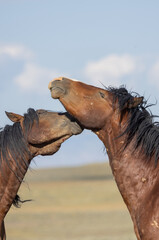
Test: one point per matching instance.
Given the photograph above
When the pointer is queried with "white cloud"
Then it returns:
(16, 51)
(111, 69)
(35, 78)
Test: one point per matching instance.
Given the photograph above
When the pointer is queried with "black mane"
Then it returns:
(140, 123)
(13, 143)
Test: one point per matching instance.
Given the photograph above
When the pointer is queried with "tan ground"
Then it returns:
(70, 204)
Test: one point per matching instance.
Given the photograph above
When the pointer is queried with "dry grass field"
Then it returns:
(80, 203)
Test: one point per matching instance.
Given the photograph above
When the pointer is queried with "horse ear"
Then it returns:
(14, 117)
(136, 101)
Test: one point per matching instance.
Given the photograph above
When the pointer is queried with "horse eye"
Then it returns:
(102, 94)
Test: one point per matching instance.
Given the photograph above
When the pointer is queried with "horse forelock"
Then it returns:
(140, 124)
(29, 119)
(121, 95)
(13, 143)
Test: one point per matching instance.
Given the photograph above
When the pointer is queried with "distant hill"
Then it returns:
(99, 171)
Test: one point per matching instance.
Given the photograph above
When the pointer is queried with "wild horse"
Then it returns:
(131, 138)
(38, 132)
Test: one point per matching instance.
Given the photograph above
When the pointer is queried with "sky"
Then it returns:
(113, 42)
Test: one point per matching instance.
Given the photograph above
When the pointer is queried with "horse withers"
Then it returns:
(38, 132)
(125, 126)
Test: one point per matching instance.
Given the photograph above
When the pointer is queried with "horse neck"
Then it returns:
(15, 151)
(131, 172)
(11, 177)
(16, 169)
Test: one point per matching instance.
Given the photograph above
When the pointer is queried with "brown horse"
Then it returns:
(131, 138)
(36, 133)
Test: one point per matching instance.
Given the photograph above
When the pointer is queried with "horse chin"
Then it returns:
(57, 92)
(53, 147)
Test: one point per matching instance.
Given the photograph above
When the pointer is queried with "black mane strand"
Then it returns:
(122, 95)
(140, 123)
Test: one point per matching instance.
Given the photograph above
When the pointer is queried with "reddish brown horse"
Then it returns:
(37, 133)
(126, 128)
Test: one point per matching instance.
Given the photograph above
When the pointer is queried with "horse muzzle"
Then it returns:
(58, 87)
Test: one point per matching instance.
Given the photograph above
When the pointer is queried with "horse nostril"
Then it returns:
(55, 79)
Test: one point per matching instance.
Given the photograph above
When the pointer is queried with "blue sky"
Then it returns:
(114, 42)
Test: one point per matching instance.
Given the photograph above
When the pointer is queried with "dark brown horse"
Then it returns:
(36, 133)
(125, 126)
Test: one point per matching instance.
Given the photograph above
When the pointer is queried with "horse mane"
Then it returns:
(13, 142)
(13, 146)
(140, 125)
